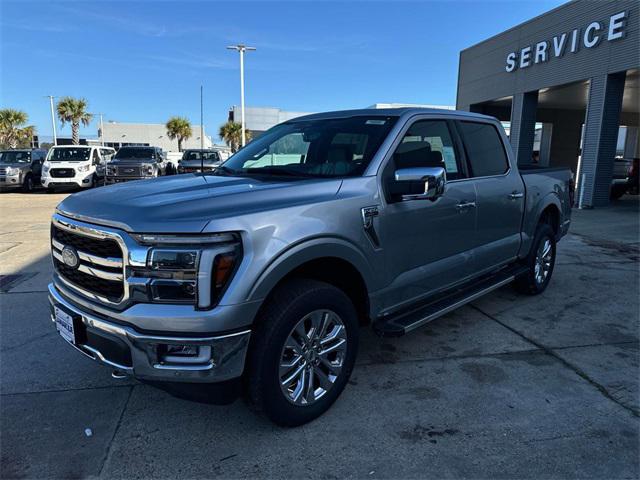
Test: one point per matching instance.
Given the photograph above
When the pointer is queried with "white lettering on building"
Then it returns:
(592, 36)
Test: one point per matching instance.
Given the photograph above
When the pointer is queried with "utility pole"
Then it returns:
(53, 120)
(201, 121)
(241, 48)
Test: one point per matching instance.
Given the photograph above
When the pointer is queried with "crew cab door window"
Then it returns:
(484, 148)
(428, 143)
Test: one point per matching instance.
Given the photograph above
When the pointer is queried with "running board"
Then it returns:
(403, 323)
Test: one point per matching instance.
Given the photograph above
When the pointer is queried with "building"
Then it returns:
(574, 72)
(261, 119)
(118, 134)
(414, 105)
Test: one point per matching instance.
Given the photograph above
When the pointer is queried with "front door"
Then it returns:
(428, 244)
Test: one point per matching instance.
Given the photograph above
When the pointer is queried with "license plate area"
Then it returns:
(69, 325)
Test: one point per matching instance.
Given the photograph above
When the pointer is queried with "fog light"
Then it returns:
(184, 354)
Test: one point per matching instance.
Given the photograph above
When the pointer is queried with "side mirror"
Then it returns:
(420, 183)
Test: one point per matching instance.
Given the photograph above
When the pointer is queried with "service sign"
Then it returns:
(571, 42)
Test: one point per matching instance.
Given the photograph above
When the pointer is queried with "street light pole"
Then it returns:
(53, 120)
(241, 48)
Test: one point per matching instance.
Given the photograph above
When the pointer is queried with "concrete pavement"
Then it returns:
(510, 386)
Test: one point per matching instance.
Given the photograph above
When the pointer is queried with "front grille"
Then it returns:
(62, 172)
(94, 246)
(100, 267)
(3, 171)
(105, 288)
(134, 171)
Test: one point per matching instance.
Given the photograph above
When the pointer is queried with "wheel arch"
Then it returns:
(333, 261)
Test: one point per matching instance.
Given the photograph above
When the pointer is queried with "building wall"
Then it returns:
(153, 134)
(261, 119)
(482, 74)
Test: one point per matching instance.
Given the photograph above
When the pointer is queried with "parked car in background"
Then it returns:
(21, 168)
(136, 163)
(74, 166)
(625, 177)
(196, 160)
(265, 268)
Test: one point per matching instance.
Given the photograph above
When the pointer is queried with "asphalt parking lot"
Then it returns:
(510, 386)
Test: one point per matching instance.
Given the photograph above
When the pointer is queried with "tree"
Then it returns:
(74, 111)
(13, 131)
(178, 128)
(231, 133)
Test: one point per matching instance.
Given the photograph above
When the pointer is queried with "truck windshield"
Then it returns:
(139, 154)
(77, 154)
(341, 147)
(14, 156)
(206, 157)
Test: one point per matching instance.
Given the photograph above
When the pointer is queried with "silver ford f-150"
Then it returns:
(260, 273)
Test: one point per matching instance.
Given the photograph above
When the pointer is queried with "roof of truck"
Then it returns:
(391, 112)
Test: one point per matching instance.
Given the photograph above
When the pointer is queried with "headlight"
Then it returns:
(12, 171)
(149, 169)
(189, 269)
(83, 168)
(45, 168)
(111, 170)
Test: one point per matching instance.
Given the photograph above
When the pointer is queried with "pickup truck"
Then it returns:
(136, 163)
(259, 274)
(21, 168)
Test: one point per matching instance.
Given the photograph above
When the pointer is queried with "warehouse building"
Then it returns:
(573, 72)
(260, 119)
(118, 134)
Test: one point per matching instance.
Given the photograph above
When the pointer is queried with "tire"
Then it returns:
(532, 282)
(316, 302)
(617, 191)
(94, 182)
(27, 185)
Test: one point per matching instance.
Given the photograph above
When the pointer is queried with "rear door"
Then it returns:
(500, 195)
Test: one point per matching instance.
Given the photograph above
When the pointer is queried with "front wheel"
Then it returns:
(540, 262)
(27, 185)
(302, 352)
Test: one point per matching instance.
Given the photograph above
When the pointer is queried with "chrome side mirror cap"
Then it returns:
(420, 183)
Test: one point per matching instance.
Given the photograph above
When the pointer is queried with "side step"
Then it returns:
(400, 324)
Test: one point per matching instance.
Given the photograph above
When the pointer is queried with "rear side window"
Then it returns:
(484, 149)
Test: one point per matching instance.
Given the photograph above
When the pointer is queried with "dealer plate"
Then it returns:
(64, 324)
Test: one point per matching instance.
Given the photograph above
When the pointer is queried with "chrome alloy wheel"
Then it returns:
(544, 257)
(312, 357)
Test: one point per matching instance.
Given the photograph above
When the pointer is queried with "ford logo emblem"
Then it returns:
(129, 170)
(70, 257)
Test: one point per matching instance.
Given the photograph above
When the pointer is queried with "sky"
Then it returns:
(145, 61)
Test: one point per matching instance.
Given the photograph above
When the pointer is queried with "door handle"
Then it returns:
(465, 205)
(515, 195)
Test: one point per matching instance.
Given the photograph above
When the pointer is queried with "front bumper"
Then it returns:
(112, 180)
(123, 348)
(66, 182)
(10, 181)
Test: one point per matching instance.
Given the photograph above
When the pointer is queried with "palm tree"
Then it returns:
(74, 111)
(178, 128)
(13, 131)
(231, 133)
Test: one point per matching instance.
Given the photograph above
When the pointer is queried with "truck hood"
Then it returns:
(17, 165)
(187, 203)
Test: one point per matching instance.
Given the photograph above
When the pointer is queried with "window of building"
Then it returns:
(484, 149)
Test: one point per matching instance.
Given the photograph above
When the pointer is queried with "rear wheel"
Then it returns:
(540, 262)
(303, 351)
